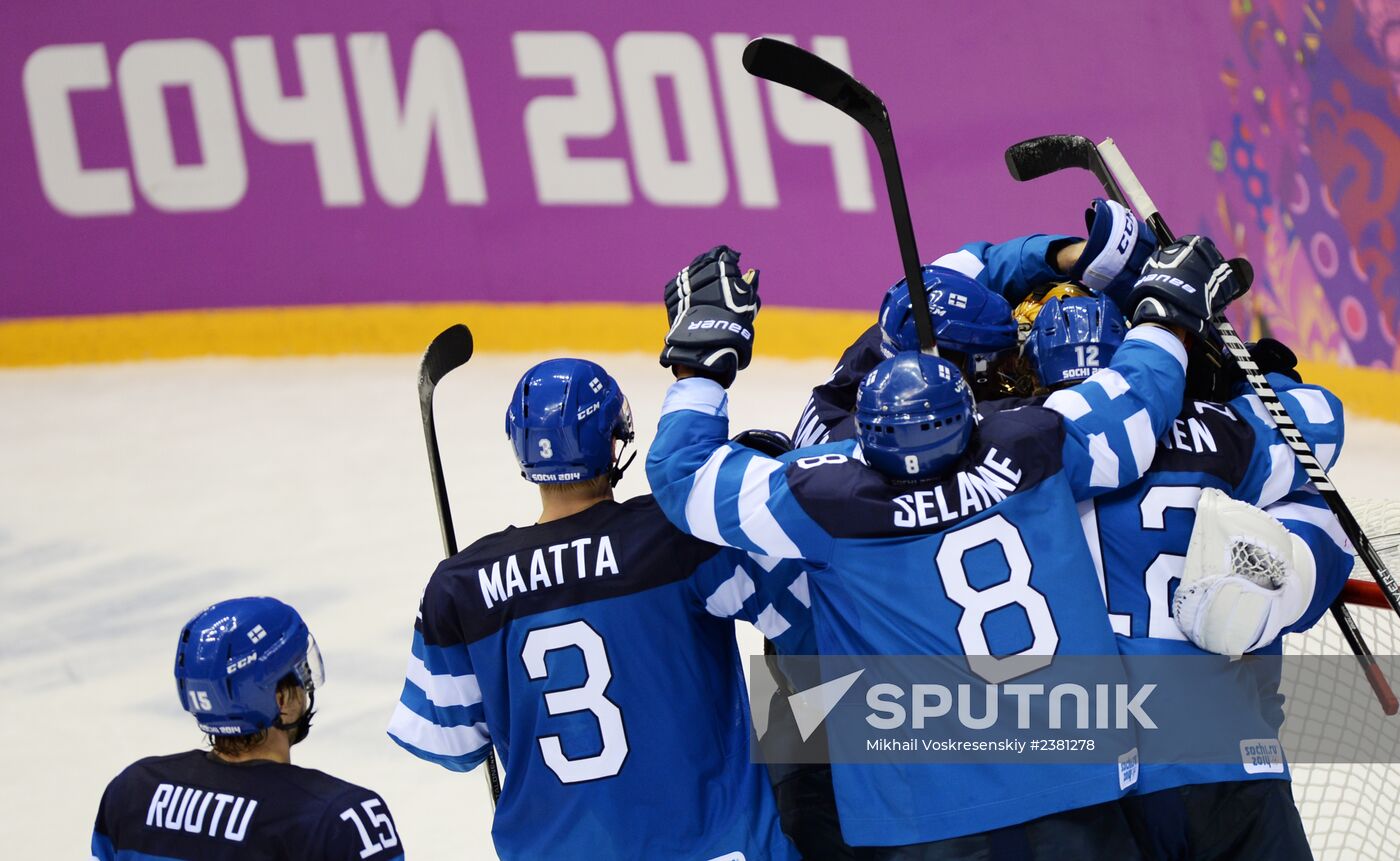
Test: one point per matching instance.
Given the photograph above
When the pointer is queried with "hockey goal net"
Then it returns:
(1348, 806)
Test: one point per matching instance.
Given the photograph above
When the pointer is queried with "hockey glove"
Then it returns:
(1246, 578)
(1119, 244)
(710, 308)
(770, 442)
(713, 342)
(714, 278)
(1186, 283)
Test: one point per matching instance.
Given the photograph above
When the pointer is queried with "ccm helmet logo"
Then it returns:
(724, 325)
(242, 662)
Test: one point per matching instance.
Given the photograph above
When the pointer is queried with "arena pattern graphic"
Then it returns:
(1307, 152)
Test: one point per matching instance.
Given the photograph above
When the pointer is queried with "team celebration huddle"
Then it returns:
(1078, 468)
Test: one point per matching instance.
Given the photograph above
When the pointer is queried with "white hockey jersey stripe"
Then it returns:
(1068, 403)
(1144, 445)
(1281, 466)
(1105, 462)
(444, 690)
(413, 729)
(1314, 405)
(771, 623)
(755, 520)
(729, 598)
(798, 588)
(700, 504)
(1322, 518)
(1111, 382)
(1161, 338)
(963, 261)
(1326, 454)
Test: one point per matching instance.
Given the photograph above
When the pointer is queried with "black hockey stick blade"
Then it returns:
(805, 72)
(791, 66)
(1047, 154)
(452, 348)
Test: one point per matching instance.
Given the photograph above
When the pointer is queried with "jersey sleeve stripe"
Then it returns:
(1068, 403)
(1312, 403)
(445, 683)
(420, 734)
(698, 394)
(1322, 518)
(771, 623)
(1160, 338)
(1326, 453)
(767, 563)
(442, 660)
(798, 587)
(1281, 471)
(444, 690)
(729, 598)
(755, 520)
(963, 261)
(1140, 438)
(416, 699)
(1111, 382)
(1105, 462)
(700, 503)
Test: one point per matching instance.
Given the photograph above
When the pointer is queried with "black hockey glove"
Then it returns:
(711, 341)
(770, 442)
(710, 307)
(1186, 283)
(713, 278)
(1275, 357)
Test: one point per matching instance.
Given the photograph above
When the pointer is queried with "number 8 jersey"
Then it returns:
(597, 654)
(988, 559)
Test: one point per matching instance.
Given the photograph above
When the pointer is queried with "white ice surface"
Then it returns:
(131, 496)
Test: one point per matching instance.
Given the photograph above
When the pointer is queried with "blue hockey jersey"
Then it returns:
(597, 654)
(1139, 536)
(1011, 269)
(196, 806)
(925, 568)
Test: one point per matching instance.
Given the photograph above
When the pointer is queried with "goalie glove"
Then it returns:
(1245, 580)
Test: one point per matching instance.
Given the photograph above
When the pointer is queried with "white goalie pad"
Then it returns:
(1246, 577)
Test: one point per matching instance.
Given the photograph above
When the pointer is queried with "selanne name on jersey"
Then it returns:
(545, 567)
(979, 488)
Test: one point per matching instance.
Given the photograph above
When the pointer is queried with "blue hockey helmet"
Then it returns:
(914, 415)
(1072, 337)
(562, 420)
(967, 317)
(233, 656)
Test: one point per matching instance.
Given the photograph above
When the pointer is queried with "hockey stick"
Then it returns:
(451, 349)
(1044, 155)
(805, 72)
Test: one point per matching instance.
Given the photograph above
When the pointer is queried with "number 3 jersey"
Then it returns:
(196, 806)
(597, 652)
(988, 559)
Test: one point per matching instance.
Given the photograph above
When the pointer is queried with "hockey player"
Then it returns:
(888, 577)
(248, 670)
(1179, 525)
(978, 330)
(595, 649)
